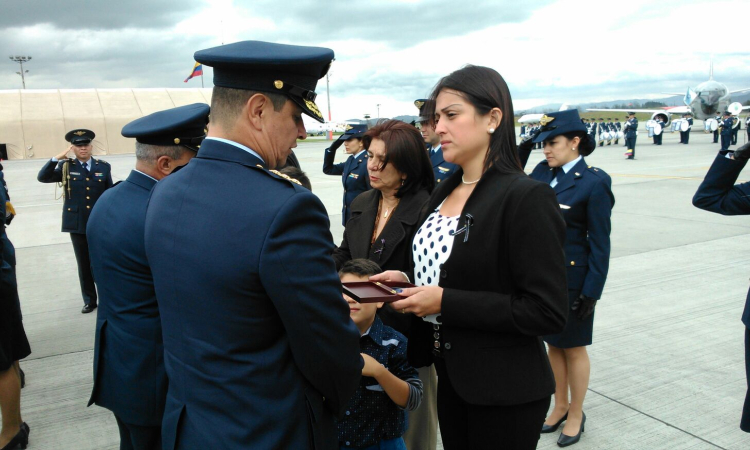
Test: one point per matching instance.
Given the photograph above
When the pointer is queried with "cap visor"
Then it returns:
(309, 108)
(80, 141)
(542, 136)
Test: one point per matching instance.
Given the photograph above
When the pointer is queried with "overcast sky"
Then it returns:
(389, 51)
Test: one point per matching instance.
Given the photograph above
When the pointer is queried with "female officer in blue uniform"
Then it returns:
(353, 171)
(586, 201)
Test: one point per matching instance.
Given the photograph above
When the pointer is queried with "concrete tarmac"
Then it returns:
(667, 359)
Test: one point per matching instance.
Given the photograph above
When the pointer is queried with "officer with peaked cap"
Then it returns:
(726, 131)
(586, 200)
(631, 134)
(129, 375)
(440, 167)
(259, 347)
(353, 171)
(83, 180)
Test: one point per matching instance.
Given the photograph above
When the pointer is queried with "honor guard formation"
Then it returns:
(228, 317)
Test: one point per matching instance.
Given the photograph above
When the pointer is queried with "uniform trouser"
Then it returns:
(136, 437)
(745, 420)
(735, 132)
(85, 276)
(716, 136)
(423, 422)
(630, 144)
(658, 138)
(467, 426)
(684, 137)
(725, 141)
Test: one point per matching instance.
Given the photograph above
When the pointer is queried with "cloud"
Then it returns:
(95, 14)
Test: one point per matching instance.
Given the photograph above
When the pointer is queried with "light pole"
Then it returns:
(329, 134)
(378, 111)
(20, 60)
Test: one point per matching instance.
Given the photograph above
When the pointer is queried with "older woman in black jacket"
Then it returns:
(382, 224)
(488, 259)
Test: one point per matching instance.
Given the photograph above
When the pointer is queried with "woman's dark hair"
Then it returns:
(405, 149)
(587, 144)
(485, 89)
(360, 267)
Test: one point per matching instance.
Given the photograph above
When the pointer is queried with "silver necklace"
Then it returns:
(470, 182)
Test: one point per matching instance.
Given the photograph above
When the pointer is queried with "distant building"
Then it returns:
(33, 122)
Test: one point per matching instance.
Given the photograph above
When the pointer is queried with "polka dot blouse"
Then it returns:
(431, 247)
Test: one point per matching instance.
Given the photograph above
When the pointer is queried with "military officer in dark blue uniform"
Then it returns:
(129, 375)
(726, 131)
(353, 171)
(586, 200)
(716, 131)
(259, 347)
(631, 134)
(440, 167)
(592, 130)
(685, 135)
(83, 180)
(659, 136)
(719, 194)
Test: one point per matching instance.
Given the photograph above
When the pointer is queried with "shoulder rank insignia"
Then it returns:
(285, 176)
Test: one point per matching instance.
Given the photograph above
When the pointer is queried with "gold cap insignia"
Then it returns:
(545, 120)
(313, 107)
(278, 84)
(79, 133)
(348, 127)
(419, 104)
(176, 140)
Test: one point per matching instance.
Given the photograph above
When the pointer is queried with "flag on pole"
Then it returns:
(197, 70)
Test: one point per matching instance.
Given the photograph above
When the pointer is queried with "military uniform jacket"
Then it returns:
(592, 129)
(354, 176)
(690, 122)
(719, 194)
(586, 201)
(129, 375)
(632, 127)
(618, 126)
(440, 167)
(726, 127)
(85, 189)
(494, 313)
(258, 344)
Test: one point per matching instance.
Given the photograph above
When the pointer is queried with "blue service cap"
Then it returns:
(80, 136)
(291, 70)
(184, 125)
(560, 122)
(354, 131)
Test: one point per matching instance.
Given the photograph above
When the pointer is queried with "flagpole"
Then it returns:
(202, 79)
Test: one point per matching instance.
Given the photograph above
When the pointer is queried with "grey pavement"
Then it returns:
(667, 359)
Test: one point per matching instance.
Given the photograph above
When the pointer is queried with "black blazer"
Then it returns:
(504, 287)
(392, 249)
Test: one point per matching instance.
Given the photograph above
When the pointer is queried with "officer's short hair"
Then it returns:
(226, 103)
(360, 267)
(297, 174)
(150, 153)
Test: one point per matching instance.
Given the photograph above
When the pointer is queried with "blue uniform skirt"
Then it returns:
(577, 332)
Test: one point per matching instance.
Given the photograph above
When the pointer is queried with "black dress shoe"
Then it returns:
(88, 308)
(25, 426)
(564, 440)
(552, 428)
(20, 440)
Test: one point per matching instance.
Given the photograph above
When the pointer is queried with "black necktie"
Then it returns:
(85, 167)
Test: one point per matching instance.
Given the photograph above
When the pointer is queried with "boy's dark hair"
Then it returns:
(297, 174)
(360, 267)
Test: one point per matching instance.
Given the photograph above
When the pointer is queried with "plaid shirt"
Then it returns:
(371, 415)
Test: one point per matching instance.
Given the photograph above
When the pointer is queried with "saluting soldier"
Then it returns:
(259, 347)
(83, 180)
(353, 171)
(129, 375)
(726, 131)
(440, 167)
(631, 134)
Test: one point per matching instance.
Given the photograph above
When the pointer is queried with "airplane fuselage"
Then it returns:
(712, 98)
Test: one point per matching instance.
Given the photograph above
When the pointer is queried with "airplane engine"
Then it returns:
(665, 116)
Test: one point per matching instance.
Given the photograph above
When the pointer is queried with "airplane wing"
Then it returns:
(741, 90)
(672, 110)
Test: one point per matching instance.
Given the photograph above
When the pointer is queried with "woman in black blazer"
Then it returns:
(382, 224)
(488, 259)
